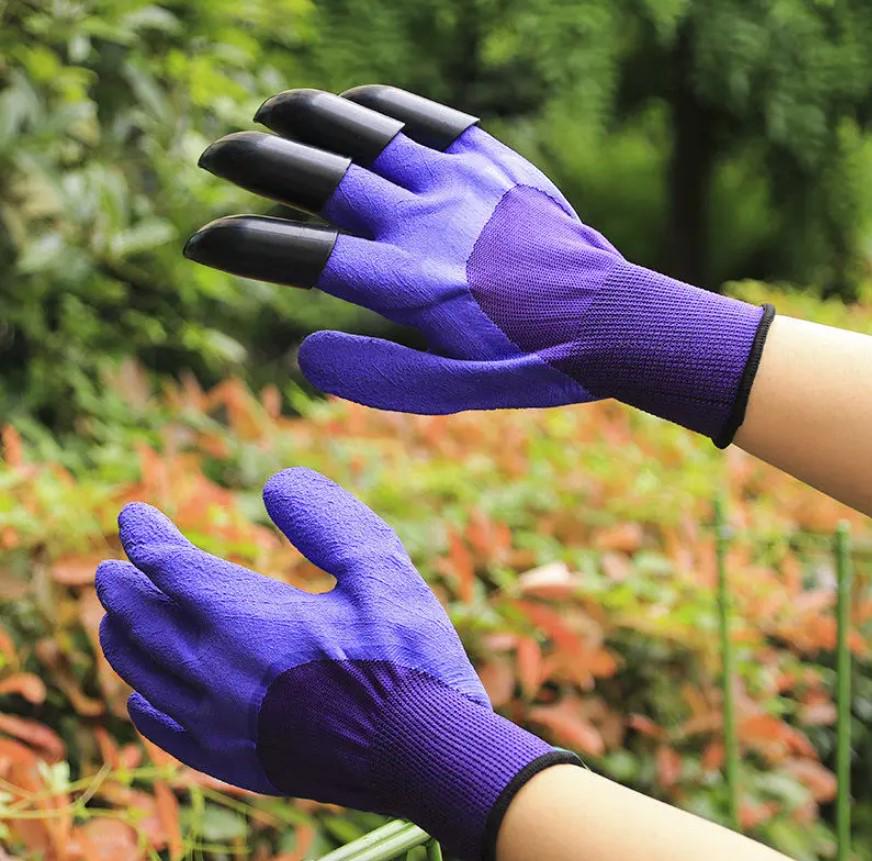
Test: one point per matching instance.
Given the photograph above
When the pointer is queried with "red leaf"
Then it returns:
(668, 763)
(713, 756)
(567, 722)
(498, 680)
(35, 734)
(305, 836)
(623, 537)
(461, 567)
(50, 654)
(168, 814)
(553, 624)
(529, 665)
(818, 714)
(817, 778)
(646, 726)
(75, 570)
(12, 447)
(773, 737)
(752, 814)
(490, 539)
(130, 756)
(26, 685)
(45, 837)
(105, 839)
(616, 566)
(108, 747)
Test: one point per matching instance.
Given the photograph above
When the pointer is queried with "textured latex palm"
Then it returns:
(362, 696)
(521, 303)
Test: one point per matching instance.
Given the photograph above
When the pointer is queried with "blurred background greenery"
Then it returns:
(714, 139)
(718, 140)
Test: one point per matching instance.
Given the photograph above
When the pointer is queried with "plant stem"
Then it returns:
(731, 747)
(843, 691)
(384, 843)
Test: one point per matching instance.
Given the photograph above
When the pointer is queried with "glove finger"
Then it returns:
(424, 121)
(428, 128)
(147, 616)
(330, 122)
(390, 376)
(129, 595)
(306, 178)
(334, 530)
(166, 733)
(366, 203)
(363, 121)
(371, 274)
(283, 170)
(194, 578)
(398, 149)
(263, 248)
(170, 693)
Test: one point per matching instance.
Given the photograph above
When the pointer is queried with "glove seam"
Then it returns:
(381, 742)
(522, 352)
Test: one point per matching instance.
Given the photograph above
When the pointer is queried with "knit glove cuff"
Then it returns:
(672, 349)
(454, 766)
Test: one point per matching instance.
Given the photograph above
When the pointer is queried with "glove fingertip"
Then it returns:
(135, 512)
(151, 722)
(291, 484)
(320, 359)
(142, 524)
(105, 575)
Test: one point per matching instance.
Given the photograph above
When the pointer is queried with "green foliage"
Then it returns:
(104, 110)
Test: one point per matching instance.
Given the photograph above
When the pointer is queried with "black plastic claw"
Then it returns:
(425, 121)
(267, 249)
(283, 170)
(328, 121)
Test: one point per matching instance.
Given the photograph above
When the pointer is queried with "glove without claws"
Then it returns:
(362, 696)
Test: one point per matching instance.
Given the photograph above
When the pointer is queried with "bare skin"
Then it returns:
(810, 410)
(566, 812)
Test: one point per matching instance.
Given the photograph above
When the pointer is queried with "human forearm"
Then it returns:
(810, 409)
(570, 813)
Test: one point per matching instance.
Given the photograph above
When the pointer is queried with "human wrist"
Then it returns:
(453, 766)
(674, 350)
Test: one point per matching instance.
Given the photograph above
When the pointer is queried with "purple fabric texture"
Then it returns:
(400, 741)
(336, 697)
(522, 304)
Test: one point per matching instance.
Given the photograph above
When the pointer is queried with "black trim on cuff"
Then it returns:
(557, 756)
(737, 414)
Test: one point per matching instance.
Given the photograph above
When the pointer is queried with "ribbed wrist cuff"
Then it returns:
(674, 350)
(453, 766)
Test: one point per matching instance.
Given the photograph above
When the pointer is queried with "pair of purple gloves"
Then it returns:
(364, 696)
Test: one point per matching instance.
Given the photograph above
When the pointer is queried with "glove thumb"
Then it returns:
(389, 376)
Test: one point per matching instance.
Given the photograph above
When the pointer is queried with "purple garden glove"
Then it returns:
(447, 230)
(362, 696)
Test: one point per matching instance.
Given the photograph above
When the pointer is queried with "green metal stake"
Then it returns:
(843, 691)
(731, 746)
